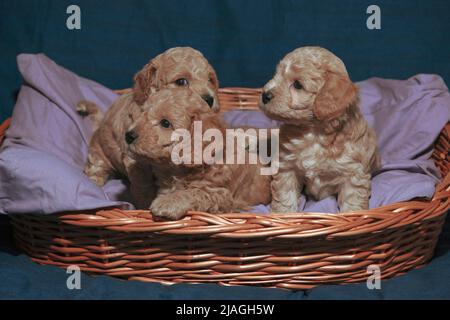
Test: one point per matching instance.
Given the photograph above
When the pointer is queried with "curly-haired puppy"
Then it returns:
(177, 67)
(326, 145)
(202, 186)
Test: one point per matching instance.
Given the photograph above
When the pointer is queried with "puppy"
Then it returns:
(326, 145)
(201, 186)
(177, 67)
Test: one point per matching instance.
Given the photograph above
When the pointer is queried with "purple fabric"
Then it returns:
(43, 155)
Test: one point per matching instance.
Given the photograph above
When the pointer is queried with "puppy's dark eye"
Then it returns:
(182, 82)
(165, 123)
(298, 85)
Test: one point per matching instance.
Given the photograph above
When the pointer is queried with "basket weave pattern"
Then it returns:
(293, 251)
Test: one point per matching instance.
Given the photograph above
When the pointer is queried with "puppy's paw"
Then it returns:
(82, 109)
(170, 207)
(97, 175)
(277, 207)
(85, 108)
(349, 207)
(100, 181)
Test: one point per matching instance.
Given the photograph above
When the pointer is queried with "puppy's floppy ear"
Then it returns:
(336, 95)
(145, 82)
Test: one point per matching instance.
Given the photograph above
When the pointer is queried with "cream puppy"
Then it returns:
(326, 145)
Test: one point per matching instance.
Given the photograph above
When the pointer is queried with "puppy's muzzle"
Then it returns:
(267, 96)
(130, 136)
(209, 99)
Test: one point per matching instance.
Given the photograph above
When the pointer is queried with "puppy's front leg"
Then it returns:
(354, 193)
(175, 205)
(142, 184)
(286, 189)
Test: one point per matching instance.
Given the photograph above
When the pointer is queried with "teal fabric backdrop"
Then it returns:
(242, 39)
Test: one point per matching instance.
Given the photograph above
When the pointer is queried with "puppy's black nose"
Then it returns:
(130, 136)
(267, 96)
(209, 100)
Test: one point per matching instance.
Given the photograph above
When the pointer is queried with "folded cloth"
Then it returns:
(45, 148)
(42, 157)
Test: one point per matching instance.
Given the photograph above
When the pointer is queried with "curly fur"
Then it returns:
(326, 145)
(213, 188)
(107, 149)
(174, 64)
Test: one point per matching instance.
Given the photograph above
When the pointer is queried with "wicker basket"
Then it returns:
(294, 251)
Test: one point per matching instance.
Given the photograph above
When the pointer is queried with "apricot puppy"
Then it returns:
(177, 67)
(326, 145)
(213, 188)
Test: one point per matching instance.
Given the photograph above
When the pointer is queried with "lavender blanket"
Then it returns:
(43, 155)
